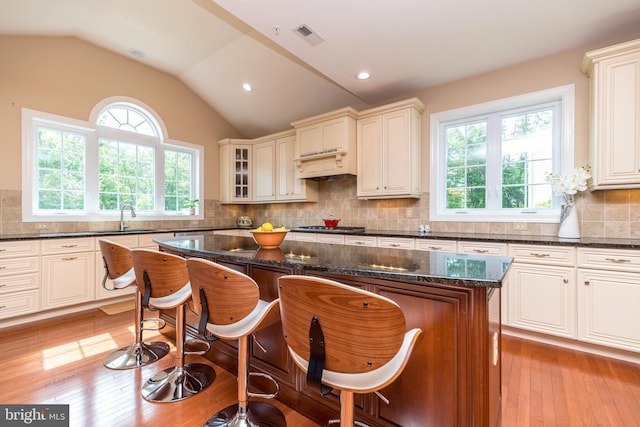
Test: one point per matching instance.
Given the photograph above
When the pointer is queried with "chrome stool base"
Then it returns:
(137, 355)
(258, 414)
(177, 383)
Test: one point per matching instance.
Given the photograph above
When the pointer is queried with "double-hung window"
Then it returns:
(489, 161)
(78, 171)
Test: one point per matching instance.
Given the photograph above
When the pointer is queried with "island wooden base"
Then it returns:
(453, 376)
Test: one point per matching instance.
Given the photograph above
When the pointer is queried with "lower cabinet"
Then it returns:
(542, 299)
(19, 278)
(67, 279)
(608, 311)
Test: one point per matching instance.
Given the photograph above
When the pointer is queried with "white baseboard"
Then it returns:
(614, 353)
(48, 314)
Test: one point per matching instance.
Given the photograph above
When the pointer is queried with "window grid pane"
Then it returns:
(61, 158)
(466, 165)
(178, 179)
(126, 175)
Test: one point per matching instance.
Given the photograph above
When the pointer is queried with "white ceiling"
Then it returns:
(406, 45)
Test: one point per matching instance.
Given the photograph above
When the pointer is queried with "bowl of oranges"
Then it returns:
(269, 237)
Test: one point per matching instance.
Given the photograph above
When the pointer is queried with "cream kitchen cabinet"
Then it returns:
(482, 248)
(436, 245)
(264, 171)
(357, 240)
(388, 150)
(326, 144)
(68, 272)
(235, 171)
(289, 184)
(19, 278)
(540, 293)
(609, 297)
(614, 74)
(396, 242)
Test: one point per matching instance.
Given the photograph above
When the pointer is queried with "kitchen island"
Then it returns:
(453, 376)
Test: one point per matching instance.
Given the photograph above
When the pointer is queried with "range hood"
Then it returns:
(326, 145)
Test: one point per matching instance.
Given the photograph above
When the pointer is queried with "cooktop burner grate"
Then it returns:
(325, 229)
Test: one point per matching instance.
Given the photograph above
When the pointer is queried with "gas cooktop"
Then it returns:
(325, 229)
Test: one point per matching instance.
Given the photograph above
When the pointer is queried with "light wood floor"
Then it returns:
(60, 361)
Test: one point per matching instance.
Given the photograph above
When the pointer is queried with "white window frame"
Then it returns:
(32, 118)
(562, 161)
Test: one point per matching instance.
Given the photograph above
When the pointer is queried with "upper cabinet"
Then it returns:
(326, 144)
(235, 170)
(388, 147)
(262, 170)
(614, 74)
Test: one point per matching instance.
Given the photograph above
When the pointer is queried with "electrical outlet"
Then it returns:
(520, 226)
(409, 213)
(41, 226)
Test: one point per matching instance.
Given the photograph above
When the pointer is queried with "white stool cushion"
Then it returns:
(244, 326)
(173, 300)
(127, 279)
(368, 381)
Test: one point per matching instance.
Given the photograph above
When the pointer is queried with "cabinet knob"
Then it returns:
(565, 280)
(587, 283)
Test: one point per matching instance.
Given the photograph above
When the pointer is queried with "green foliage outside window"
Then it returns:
(61, 170)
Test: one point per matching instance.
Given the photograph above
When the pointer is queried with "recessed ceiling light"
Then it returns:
(364, 75)
(247, 87)
(137, 53)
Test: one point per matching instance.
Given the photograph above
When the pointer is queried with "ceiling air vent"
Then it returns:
(308, 35)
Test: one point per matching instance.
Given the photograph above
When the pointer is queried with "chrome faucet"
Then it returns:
(125, 225)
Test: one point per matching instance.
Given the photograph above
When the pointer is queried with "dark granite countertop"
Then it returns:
(67, 234)
(421, 266)
(596, 242)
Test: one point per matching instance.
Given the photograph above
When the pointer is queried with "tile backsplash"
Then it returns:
(612, 214)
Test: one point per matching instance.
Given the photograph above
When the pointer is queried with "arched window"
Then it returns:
(90, 170)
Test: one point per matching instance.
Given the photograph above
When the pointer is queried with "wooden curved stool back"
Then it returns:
(230, 295)
(365, 342)
(166, 273)
(117, 258)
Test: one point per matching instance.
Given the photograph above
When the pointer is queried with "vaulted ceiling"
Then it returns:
(406, 45)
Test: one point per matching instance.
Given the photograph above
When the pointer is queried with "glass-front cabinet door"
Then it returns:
(235, 171)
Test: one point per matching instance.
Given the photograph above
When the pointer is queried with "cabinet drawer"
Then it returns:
(12, 266)
(482, 248)
(19, 283)
(62, 246)
(19, 248)
(19, 303)
(539, 254)
(395, 242)
(609, 259)
(146, 240)
(337, 239)
(436, 245)
(305, 237)
(361, 240)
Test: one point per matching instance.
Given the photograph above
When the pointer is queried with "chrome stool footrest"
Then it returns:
(264, 395)
(197, 342)
(177, 383)
(160, 323)
(137, 355)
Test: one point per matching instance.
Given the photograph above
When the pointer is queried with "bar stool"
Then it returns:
(230, 307)
(343, 337)
(163, 281)
(119, 268)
